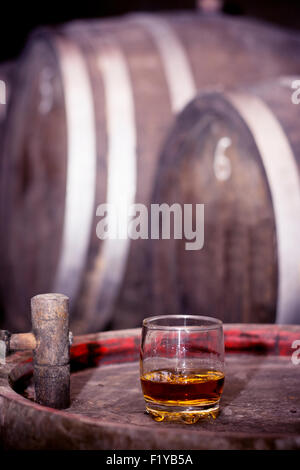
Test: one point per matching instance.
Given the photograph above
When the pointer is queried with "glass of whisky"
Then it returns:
(182, 367)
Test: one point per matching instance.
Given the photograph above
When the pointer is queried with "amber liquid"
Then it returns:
(169, 387)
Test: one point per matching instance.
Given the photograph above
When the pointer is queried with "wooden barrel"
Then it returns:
(259, 408)
(6, 79)
(238, 153)
(93, 104)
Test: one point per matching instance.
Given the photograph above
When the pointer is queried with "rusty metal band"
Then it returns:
(110, 261)
(177, 68)
(81, 168)
(283, 179)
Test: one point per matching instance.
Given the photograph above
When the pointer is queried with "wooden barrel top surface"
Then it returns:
(260, 406)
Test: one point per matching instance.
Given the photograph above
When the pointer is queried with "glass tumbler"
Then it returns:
(182, 367)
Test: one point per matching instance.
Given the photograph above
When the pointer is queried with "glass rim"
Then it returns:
(215, 323)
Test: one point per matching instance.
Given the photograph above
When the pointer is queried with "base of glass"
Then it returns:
(185, 414)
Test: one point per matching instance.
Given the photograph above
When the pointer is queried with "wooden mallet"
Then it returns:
(50, 341)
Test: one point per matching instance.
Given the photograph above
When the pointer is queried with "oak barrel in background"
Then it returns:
(238, 153)
(6, 79)
(92, 106)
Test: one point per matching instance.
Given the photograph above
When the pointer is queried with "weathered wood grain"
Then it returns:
(259, 406)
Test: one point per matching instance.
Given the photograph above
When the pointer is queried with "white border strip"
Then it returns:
(81, 168)
(179, 76)
(111, 259)
(3, 100)
(283, 177)
(3, 92)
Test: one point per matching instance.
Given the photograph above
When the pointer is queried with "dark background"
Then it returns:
(17, 19)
